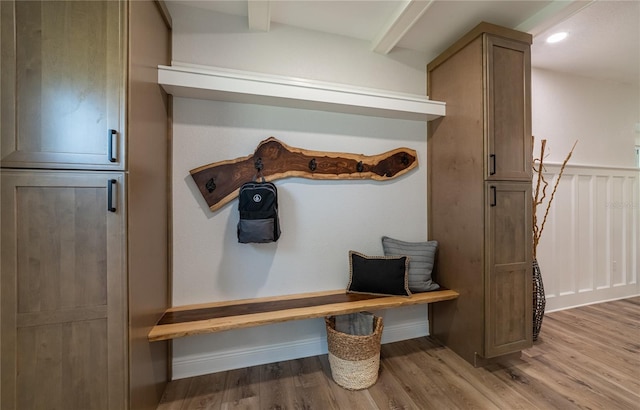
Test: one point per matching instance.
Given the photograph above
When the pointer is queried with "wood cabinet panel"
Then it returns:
(57, 366)
(61, 247)
(148, 206)
(508, 109)
(455, 149)
(63, 287)
(508, 281)
(64, 61)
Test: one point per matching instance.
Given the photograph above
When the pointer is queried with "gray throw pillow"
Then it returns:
(422, 257)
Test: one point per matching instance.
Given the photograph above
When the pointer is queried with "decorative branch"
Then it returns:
(541, 181)
(537, 200)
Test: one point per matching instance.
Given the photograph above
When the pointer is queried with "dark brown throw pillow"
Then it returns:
(378, 275)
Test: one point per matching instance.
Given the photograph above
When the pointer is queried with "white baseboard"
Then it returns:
(585, 298)
(239, 358)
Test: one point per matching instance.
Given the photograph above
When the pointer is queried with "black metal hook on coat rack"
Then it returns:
(211, 185)
(258, 164)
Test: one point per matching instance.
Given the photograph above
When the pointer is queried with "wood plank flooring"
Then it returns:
(585, 358)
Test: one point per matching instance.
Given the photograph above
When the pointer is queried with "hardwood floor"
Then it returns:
(585, 358)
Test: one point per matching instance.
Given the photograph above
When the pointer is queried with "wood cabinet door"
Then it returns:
(508, 109)
(62, 88)
(63, 319)
(508, 274)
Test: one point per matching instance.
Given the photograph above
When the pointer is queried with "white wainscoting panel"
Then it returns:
(589, 247)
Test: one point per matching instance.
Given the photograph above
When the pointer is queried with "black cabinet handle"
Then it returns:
(493, 196)
(112, 150)
(492, 169)
(110, 195)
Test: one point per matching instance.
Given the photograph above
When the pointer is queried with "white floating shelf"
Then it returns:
(212, 83)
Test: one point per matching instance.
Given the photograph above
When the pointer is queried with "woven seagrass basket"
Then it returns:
(354, 360)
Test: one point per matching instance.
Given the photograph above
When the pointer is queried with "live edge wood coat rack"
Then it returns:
(219, 182)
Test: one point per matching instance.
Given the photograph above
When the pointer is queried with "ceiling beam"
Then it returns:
(555, 13)
(259, 15)
(403, 19)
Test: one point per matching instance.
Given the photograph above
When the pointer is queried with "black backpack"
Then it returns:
(258, 207)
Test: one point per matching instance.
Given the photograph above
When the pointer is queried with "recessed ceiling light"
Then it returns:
(554, 38)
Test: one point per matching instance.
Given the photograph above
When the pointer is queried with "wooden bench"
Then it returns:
(190, 320)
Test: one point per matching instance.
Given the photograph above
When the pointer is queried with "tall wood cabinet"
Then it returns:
(479, 188)
(84, 157)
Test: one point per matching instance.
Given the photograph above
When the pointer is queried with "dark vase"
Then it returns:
(539, 300)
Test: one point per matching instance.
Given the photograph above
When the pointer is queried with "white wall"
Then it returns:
(208, 38)
(589, 247)
(321, 220)
(601, 115)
